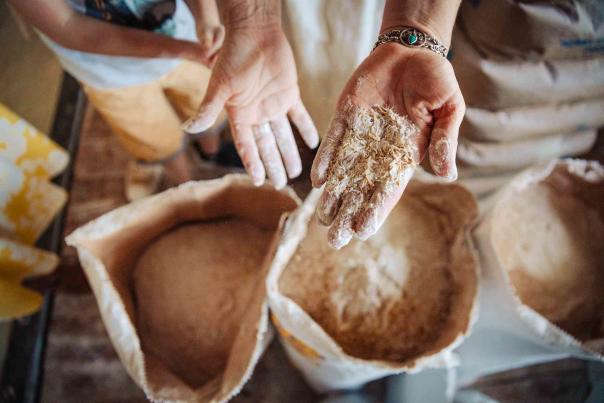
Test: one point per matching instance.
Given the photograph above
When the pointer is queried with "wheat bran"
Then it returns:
(388, 298)
(550, 242)
(192, 287)
(376, 148)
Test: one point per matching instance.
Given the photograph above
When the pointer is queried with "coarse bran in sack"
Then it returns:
(400, 301)
(542, 287)
(179, 280)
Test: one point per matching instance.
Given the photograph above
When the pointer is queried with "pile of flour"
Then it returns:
(192, 287)
(551, 242)
(388, 298)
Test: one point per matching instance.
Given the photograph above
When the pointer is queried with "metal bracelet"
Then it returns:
(412, 38)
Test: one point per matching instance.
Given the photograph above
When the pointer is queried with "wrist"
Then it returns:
(186, 50)
(256, 14)
(435, 18)
(440, 34)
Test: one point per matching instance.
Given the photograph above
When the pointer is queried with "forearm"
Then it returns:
(114, 40)
(123, 41)
(250, 13)
(436, 17)
(78, 32)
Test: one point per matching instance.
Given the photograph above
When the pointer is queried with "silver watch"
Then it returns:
(412, 38)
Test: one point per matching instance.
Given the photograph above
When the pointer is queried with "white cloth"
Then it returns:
(105, 72)
(329, 38)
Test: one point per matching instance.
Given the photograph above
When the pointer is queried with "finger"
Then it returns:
(219, 37)
(443, 140)
(213, 38)
(381, 203)
(327, 207)
(300, 117)
(212, 60)
(209, 110)
(287, 145)
(442, 152)
(320, 166)
(341, 232)
(248, 152)
(269, 154)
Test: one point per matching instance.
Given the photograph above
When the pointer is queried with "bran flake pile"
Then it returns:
(376, 148)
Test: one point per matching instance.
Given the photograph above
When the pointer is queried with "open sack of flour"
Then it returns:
(542, 285)
(179, 278)
(400, 301)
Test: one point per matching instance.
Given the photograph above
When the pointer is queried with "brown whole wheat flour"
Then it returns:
(552, 244)
(388, 298)
(377, 147)
(192, 287)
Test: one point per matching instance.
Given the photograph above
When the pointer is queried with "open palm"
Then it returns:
(415, 83)
(255, 79)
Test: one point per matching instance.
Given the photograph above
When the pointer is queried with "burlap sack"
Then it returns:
(535, 29)
(542, 284)
(522, 153)
(530, 122)
(369, 314)
(110, 247)
(493, 83)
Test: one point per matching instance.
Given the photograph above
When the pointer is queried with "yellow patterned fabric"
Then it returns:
(17, 262)
(28, 203)
(27, 148)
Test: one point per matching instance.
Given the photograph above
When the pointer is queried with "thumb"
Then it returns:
(443, 140)
(210, 108)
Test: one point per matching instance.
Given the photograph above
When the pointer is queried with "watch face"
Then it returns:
(412, 37)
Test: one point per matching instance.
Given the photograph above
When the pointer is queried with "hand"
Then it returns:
(416, 83)
(194, 52)
(255, 79)
(211, 38)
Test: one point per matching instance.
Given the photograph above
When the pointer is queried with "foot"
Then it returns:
(142, 180)
(210, 141)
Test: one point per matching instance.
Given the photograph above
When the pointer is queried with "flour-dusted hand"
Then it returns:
(255, 79)
(399, 104)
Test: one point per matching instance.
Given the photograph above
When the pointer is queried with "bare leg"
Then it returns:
(210, 142)
(142, 179)
(178, 170)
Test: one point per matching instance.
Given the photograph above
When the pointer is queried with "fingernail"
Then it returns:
(196, 124)
(452, 176)
(368, 228)
(279, 184)
(257, 181)
(296, 171)
(339, 238)
(190, 124)
(315, 142)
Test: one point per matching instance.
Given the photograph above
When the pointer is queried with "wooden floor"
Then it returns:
(81, 365)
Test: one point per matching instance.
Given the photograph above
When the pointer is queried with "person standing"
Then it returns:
(144, 66)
